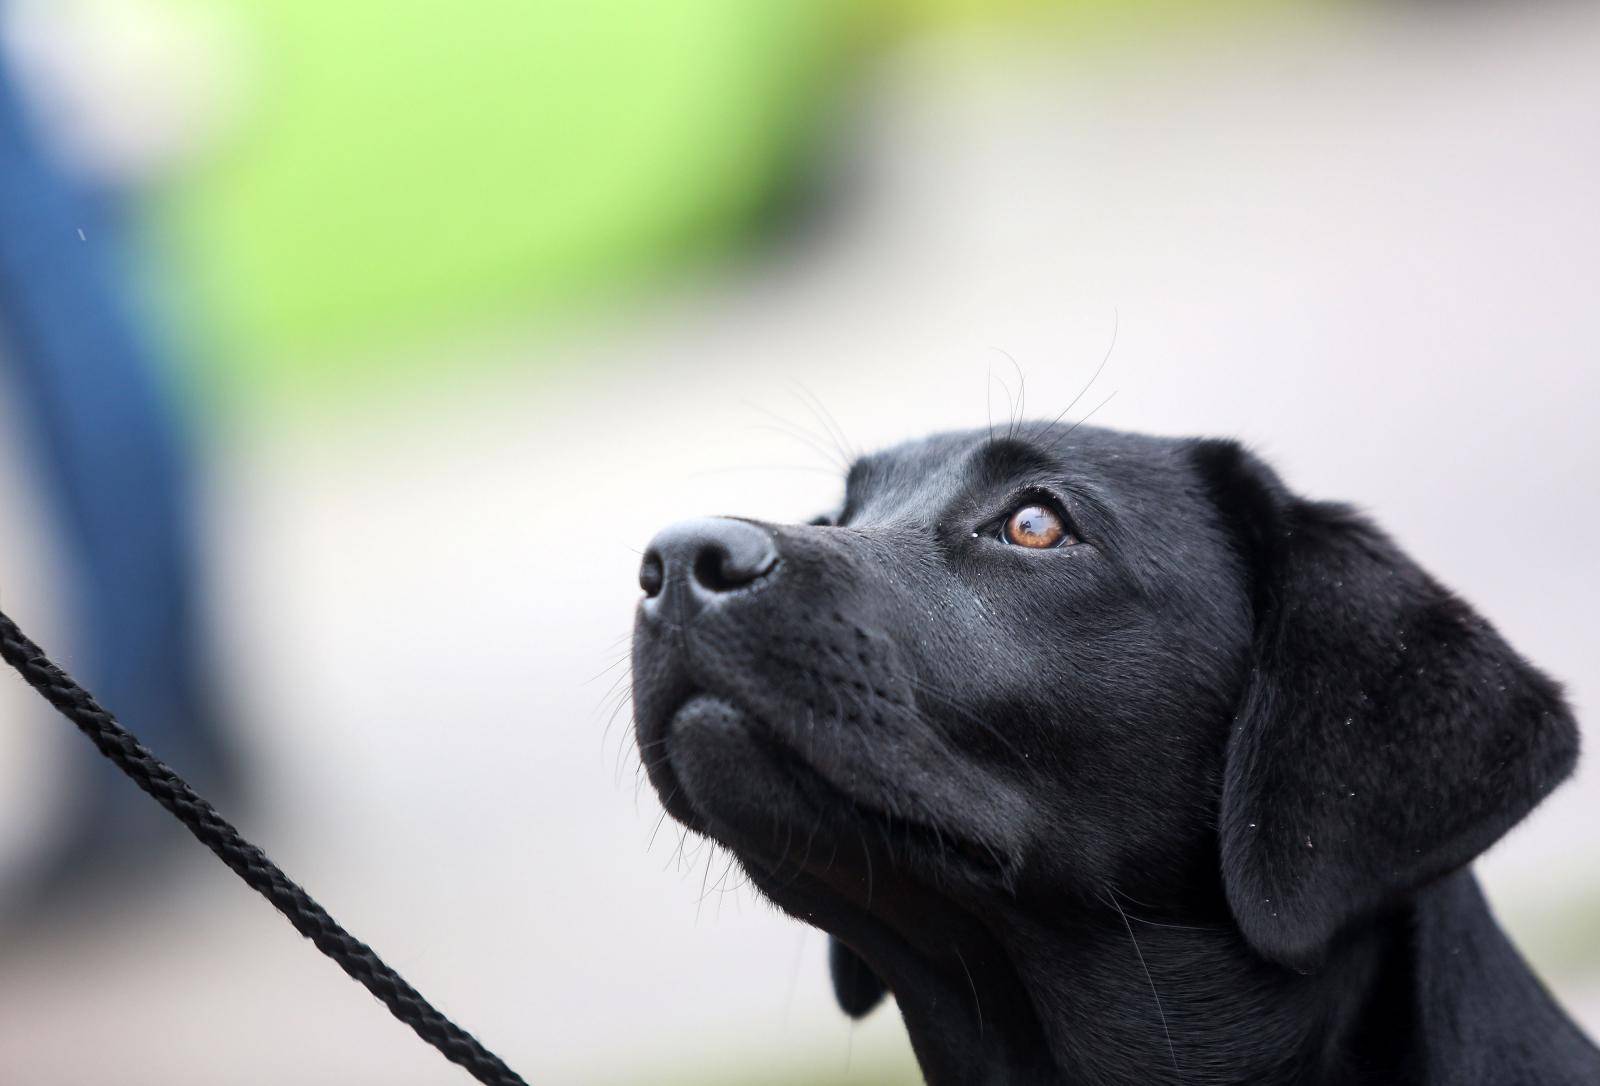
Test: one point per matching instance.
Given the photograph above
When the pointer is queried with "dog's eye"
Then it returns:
(1036, 526)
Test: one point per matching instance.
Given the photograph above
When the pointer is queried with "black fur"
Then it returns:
(1190, 801)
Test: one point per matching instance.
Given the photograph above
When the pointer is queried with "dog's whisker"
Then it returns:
(612, 666)
(1116, 327)
(988, 398)
(822, 446)
(808, 440)
(624, 748)
(1011, 405)
(662, 820)
(612, 705)
(1056, 444)
(832, 473)
(825, 418)
(810, 840)
(1160, 1012)
(866, 854)
(700, 900)
(976, 1002)
(1019, 406)
(677, 858)
(620, 683)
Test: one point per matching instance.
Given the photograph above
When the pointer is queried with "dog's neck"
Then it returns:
(1107, 1000)
(1125, 999)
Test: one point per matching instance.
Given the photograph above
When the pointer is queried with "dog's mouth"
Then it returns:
(739, 779)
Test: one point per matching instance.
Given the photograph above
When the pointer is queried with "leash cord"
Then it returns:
(247, 861)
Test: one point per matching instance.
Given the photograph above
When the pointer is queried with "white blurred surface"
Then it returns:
(1369, 246)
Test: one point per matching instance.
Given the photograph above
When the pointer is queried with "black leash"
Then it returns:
(249, 862)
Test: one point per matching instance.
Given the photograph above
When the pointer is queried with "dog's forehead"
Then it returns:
(927, 473)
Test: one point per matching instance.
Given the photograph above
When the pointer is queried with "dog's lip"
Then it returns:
(701, 708)
(695, 703)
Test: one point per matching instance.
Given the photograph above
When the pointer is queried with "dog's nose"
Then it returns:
(690, 565)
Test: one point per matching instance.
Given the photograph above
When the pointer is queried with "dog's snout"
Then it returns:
(690, 564)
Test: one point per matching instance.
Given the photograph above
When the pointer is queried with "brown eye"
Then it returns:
(1036, 526)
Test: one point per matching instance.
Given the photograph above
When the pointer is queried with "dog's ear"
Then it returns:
(855, 985)
(1387, 735)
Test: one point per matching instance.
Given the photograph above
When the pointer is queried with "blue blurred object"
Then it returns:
(108, 448)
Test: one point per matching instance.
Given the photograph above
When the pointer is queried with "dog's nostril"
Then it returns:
(651, 574)
(715, 570)
(708, 569)
(721, 568)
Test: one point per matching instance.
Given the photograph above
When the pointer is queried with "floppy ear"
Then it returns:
(855, 985)
(1387, 735)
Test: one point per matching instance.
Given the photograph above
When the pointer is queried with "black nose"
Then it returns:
(690, 565)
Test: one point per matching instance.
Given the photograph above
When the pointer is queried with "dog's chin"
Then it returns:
(733, 783)
(736, 782)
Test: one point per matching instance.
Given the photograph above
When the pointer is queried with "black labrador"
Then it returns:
(1116, 762)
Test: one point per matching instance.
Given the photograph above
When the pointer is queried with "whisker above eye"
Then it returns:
(826, 419)
(1116, 327)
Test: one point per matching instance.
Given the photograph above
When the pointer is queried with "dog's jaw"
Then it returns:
(832, 768)
(734, 777)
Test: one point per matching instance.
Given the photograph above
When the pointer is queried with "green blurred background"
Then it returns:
(408, 168)
(398, 171)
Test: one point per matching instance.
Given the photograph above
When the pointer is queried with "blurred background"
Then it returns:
(348, 353)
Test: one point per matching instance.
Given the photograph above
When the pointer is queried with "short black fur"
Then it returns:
(1189, 799)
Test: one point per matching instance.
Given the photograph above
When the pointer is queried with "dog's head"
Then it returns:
(1025, 671)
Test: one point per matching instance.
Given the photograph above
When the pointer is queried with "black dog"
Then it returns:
(1115, 762)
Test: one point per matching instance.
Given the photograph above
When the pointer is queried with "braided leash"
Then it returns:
(249, 862)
